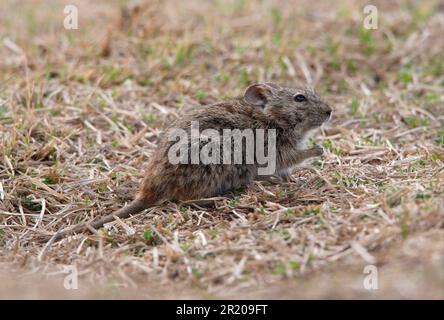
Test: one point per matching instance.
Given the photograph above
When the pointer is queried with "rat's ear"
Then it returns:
(258, 94)
(273, 85)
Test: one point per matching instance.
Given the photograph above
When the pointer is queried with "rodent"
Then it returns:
(293, 113)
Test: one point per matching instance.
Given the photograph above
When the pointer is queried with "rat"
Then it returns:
(294, 114)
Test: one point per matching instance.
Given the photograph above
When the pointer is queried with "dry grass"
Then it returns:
(81, 112)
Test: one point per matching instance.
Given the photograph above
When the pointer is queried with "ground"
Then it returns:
(81, 112)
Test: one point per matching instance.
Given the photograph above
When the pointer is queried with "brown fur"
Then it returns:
(264, 106)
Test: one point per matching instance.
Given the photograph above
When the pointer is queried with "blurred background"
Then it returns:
(81, 111)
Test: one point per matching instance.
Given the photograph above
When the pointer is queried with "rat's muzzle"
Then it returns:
(327, 111)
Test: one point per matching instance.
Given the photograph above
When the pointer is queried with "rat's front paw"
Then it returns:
(317, 150)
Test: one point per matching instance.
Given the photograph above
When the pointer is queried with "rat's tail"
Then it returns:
(132, 208)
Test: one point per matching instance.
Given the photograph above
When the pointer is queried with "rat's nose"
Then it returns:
(327, 109)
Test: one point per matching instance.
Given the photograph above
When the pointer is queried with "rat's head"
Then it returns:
(290, 107)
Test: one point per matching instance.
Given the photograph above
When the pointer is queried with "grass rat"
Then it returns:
(294, 113)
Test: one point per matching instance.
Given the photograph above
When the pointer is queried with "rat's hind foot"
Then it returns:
(288, 178)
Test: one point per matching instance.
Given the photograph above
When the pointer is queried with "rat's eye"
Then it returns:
(300, 98)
